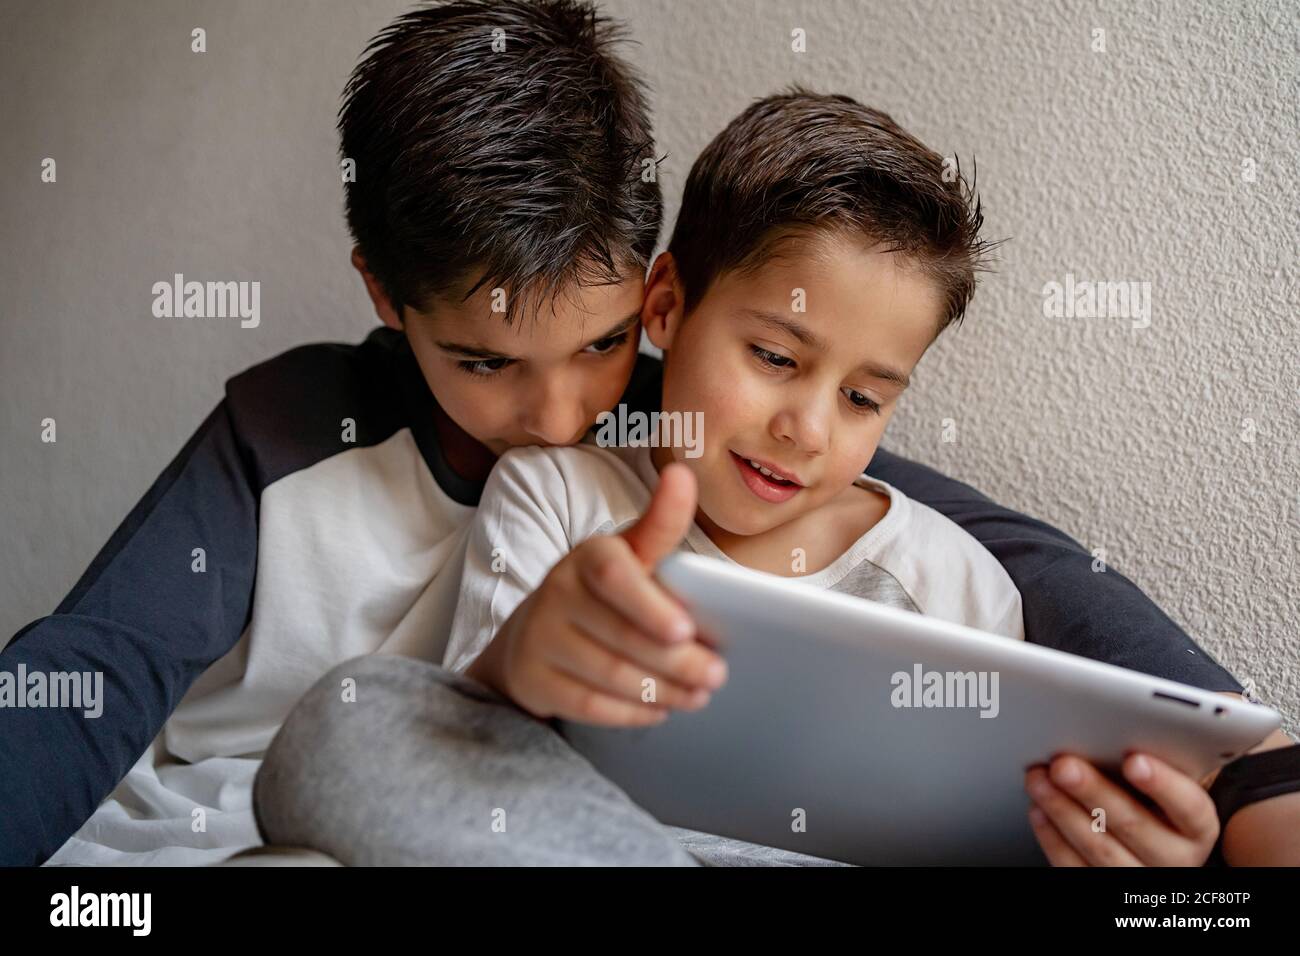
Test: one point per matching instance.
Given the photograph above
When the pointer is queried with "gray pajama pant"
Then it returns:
(413, 764)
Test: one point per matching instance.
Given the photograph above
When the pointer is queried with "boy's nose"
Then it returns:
(555, 433)
(551, 418)
(805, 426)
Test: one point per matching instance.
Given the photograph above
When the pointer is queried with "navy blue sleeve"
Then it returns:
(1067, 605)
(148, 622)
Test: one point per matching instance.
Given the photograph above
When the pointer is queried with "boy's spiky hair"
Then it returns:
(518, 168)
(799, 163)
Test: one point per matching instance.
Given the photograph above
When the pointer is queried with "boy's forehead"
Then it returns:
(831, 258)
(841, 280)
(843, 299)
(541, 320)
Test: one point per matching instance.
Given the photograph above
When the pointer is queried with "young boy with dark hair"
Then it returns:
(819, 252)
(503, 224)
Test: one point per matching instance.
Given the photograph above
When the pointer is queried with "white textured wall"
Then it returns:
(1123, 165)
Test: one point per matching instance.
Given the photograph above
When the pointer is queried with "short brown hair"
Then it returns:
(800, 162)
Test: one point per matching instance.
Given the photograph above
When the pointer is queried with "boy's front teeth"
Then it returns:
(757, 467)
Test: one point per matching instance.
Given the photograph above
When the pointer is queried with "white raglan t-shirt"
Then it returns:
(540, 503)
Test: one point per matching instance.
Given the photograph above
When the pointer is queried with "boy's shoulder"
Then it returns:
(589, 485)
(314, 401)
(321, 364)
(585, 467)
(945, 570)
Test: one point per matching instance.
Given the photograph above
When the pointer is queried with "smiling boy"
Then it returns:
(817, 255)
(502, 228)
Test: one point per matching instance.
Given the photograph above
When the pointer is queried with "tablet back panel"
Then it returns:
(860, 732)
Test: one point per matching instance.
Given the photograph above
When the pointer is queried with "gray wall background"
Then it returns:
(1173, 448)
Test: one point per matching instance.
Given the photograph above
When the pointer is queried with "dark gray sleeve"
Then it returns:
(148, 623)
(1067, 605)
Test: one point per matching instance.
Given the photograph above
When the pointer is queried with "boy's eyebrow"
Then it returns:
(808, 337)
(801, 332)
(474, 351)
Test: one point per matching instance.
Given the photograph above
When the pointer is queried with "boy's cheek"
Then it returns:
(711, 406)
(614, 382)
(736, 403)
(867, 444)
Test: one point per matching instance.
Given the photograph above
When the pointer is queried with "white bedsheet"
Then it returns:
(151, 819)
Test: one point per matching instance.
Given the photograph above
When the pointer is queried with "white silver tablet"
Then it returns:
(860, 732)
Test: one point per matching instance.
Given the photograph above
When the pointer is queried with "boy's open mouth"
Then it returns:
(764, 481)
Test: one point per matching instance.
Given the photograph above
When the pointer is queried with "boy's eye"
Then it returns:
(483, 366)
(775, 360)
(858, 400)
(771, 359)
(608, 344)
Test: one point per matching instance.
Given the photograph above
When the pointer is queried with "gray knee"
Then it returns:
(393, 761)
(322, 781)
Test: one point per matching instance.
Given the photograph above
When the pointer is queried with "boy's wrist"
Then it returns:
(1257, 798)
(486, 667)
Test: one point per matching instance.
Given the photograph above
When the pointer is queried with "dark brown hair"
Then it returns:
(518, 167)
(800, 162)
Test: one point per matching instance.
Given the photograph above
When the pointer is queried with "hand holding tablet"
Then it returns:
(817, 743)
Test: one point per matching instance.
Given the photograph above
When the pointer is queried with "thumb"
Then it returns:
(667, 518)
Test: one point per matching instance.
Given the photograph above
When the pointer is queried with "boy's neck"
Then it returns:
(466, 456)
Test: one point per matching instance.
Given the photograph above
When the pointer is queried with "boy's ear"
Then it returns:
(383, 304)
(662, 310)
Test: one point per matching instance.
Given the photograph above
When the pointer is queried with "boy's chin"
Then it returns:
(747, 519)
